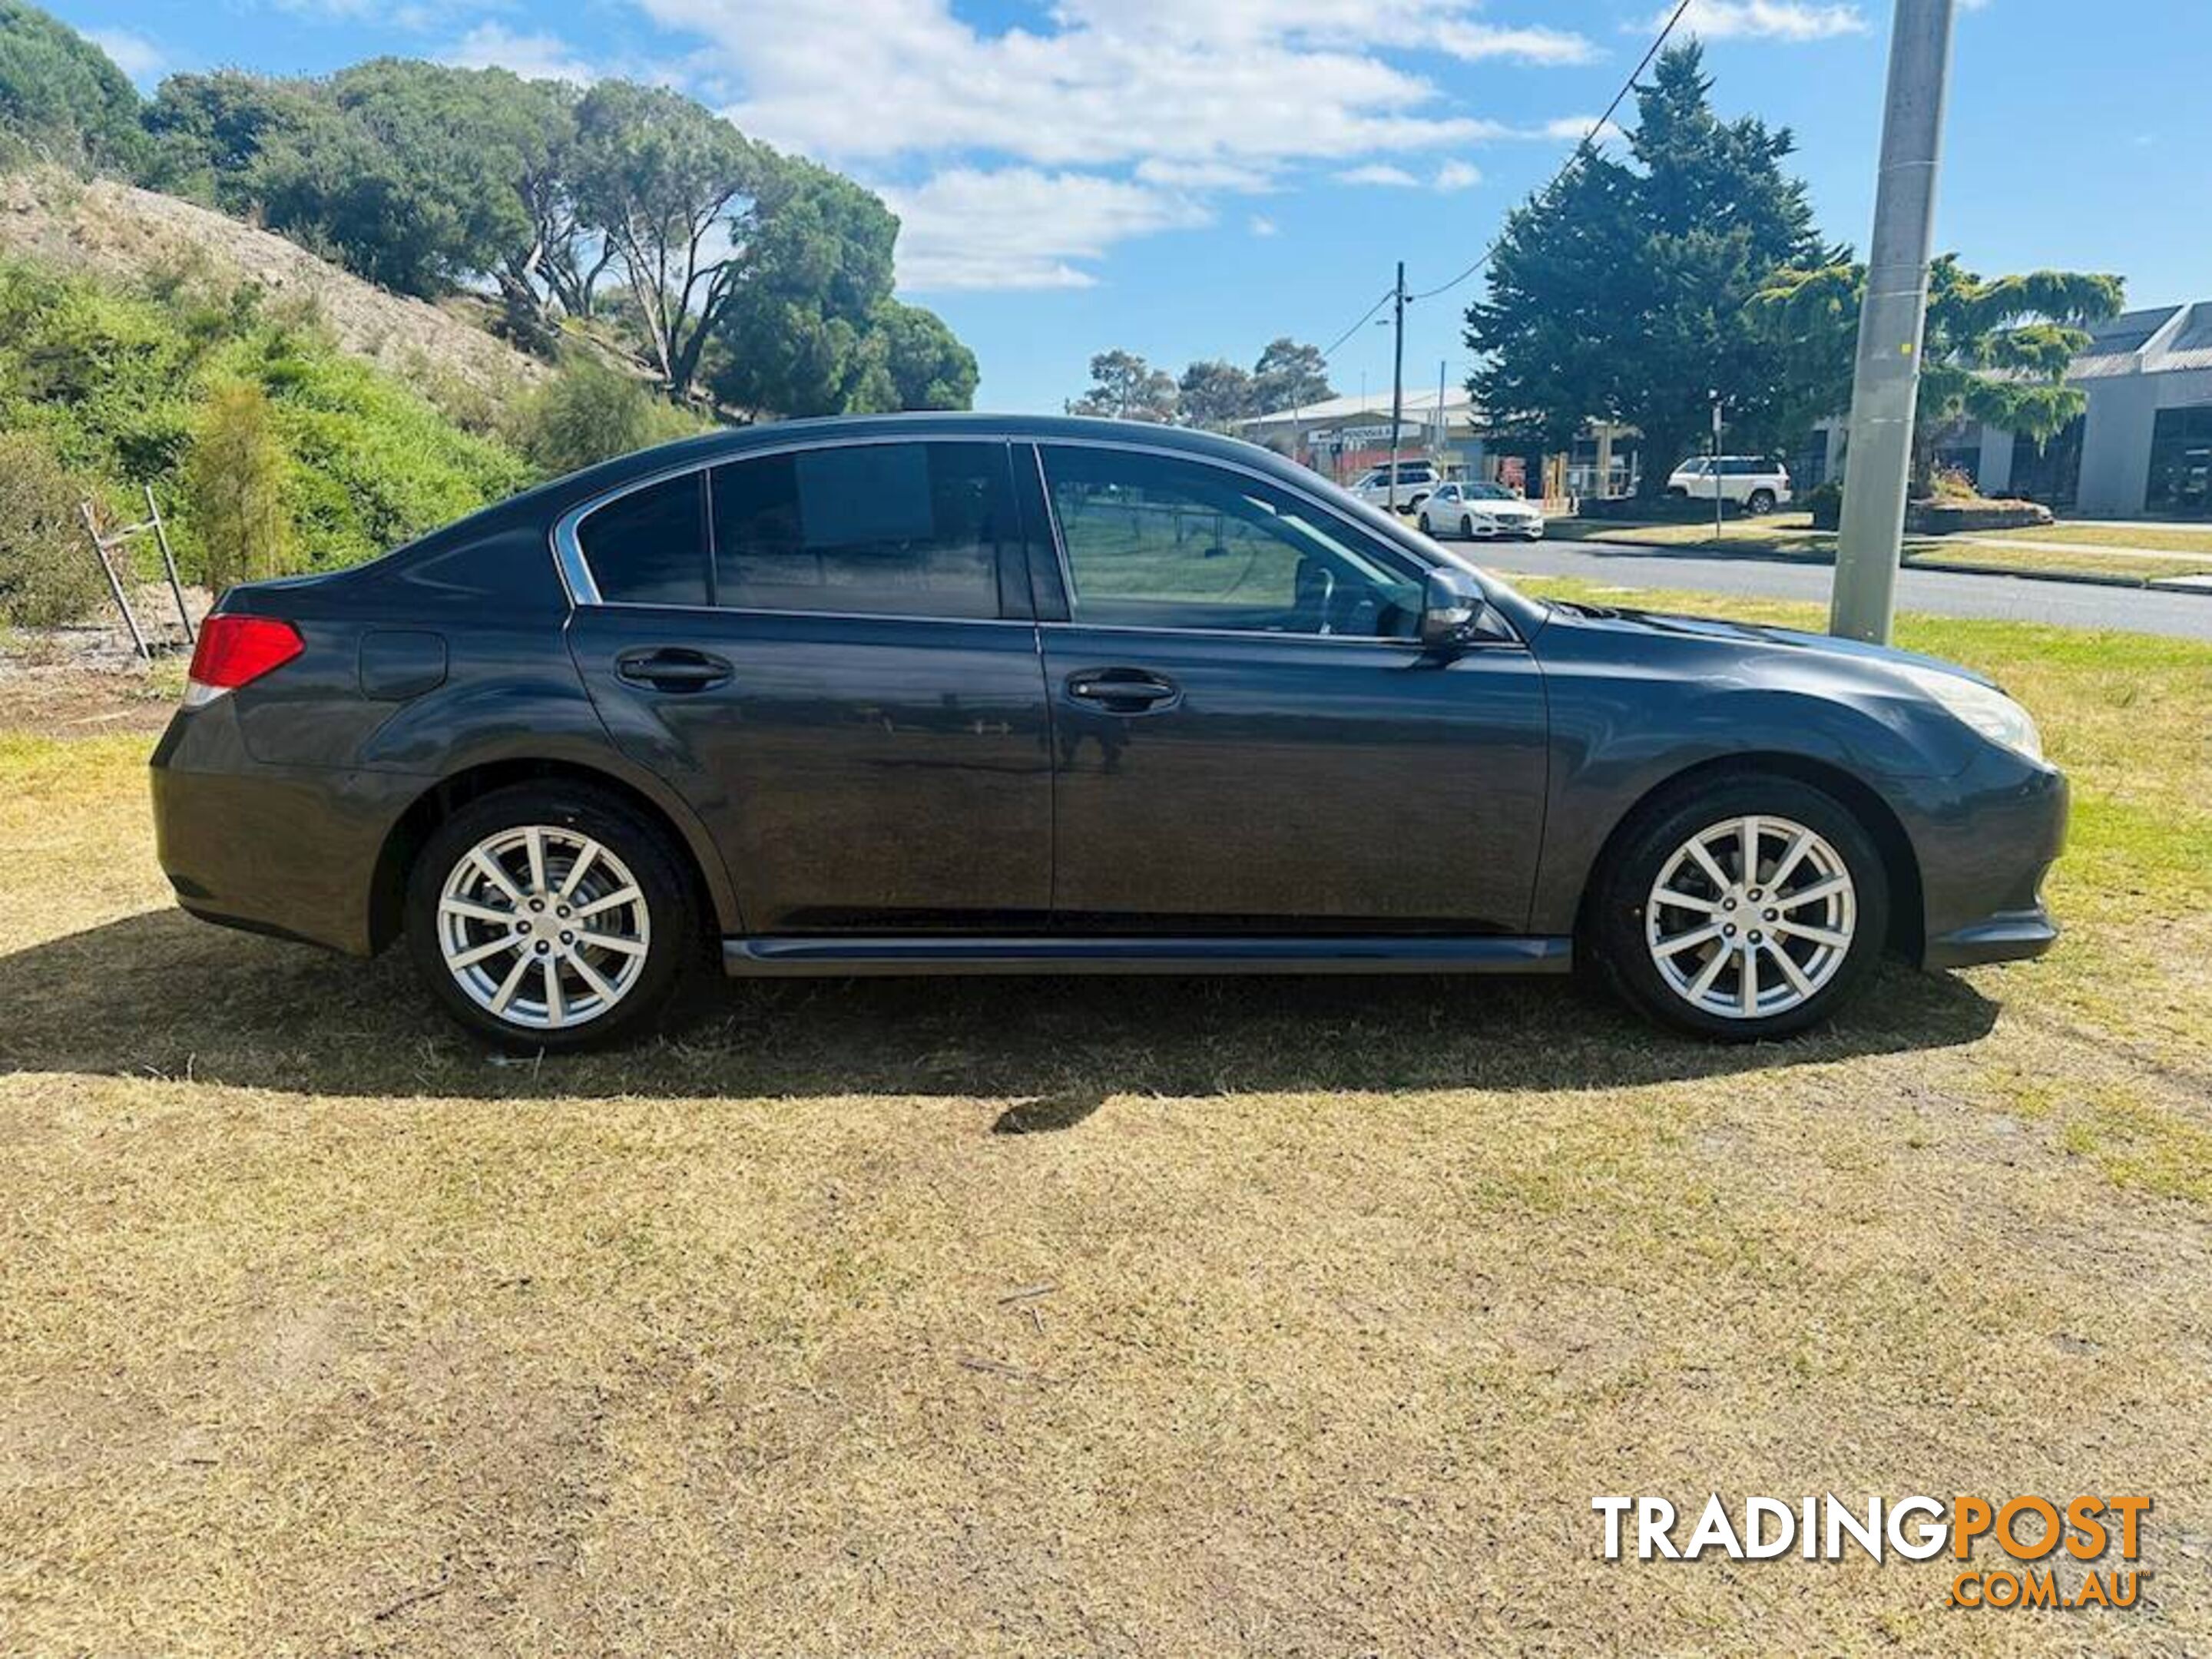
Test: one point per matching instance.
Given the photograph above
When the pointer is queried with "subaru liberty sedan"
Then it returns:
(956, 694)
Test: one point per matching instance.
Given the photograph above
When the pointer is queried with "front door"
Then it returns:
(1246, 736)
(828, 650)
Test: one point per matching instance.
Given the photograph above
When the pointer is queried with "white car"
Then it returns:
(1480, 512)
(1416, 479)
(1753, 484)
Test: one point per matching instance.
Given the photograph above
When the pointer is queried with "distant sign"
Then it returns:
(1351, 436)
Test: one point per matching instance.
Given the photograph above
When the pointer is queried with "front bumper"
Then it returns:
(1983, 858)
(2008, 936)
(291, 851)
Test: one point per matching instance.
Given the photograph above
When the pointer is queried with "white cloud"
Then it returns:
(134, 54)
(1024, 228)
(1765, 20)
(1205, 175)
(1458, 175)
(533, 56)
(1107, 81)
(1462, 38)
(1260, 225)
(1379, 172)
(1108, 118)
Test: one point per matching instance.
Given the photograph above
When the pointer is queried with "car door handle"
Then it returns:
(1124, 690)
(672, 668)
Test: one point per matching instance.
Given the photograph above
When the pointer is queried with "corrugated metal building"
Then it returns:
(2143, 447)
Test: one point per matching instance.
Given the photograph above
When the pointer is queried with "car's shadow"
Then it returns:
(159, 994)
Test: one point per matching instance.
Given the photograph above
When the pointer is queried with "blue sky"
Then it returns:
(1191, 178)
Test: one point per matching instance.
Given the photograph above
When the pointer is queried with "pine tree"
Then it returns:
(1620, 292)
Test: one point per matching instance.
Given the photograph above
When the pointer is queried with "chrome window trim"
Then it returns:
(1410, 647)
(832, 616)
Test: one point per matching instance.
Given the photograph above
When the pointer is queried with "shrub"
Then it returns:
(590, 412)
(376, 464)
(118, 385)
(1948, 483)
(1826, 502)
(48, 576)
(235, 488)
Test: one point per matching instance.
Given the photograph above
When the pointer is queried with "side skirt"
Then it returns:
(1486, 954)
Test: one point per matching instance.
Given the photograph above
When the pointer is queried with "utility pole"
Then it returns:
(1397, 376)
(1441, 430)
(1717, 468)
(1892, 320)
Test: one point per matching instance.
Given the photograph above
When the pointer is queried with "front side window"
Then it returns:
(649, 547)
(893, 529)
(1159, 541)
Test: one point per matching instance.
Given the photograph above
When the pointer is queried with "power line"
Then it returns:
(1361, 323)
(1581, 149)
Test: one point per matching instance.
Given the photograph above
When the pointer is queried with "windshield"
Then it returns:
(1490, 492)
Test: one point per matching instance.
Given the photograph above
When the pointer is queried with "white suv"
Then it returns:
(1417, 480)
(1753, 484)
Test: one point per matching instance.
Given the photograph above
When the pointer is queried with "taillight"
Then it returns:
(235, 651)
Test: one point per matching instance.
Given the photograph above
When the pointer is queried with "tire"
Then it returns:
(1416, 503)
(1678, 492)
(1426, 529)
(497, 996)
(1700, 989)
(1759, 501)
(1466, 527)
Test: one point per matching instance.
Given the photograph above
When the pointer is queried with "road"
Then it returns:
(1943, 594)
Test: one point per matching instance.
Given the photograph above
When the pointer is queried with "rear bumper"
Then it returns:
(290, 851)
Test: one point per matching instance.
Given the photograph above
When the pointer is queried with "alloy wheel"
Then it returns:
(1751, 917)
(543, 927)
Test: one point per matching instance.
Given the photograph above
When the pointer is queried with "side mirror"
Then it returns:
(1453, 611)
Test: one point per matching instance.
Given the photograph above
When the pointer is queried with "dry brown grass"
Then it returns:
(319, 1332)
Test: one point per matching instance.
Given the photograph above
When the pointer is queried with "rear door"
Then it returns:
(1246, 737)
(828, 651)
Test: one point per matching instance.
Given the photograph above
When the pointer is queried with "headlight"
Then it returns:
(1989, 712)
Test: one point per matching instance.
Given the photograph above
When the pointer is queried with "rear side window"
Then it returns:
(649, 547)
(896, 529)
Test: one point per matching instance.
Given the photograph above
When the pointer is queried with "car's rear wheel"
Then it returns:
(1751, 908)
(550, 916)
(1761, 501)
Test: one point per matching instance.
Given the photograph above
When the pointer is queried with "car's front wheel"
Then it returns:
(1750, 908)
(550, 916)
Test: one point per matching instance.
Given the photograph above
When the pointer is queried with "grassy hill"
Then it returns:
(137, 238)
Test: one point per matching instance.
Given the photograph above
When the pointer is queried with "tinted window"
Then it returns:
(902, 529)
(649, 547)
(1157, 541)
